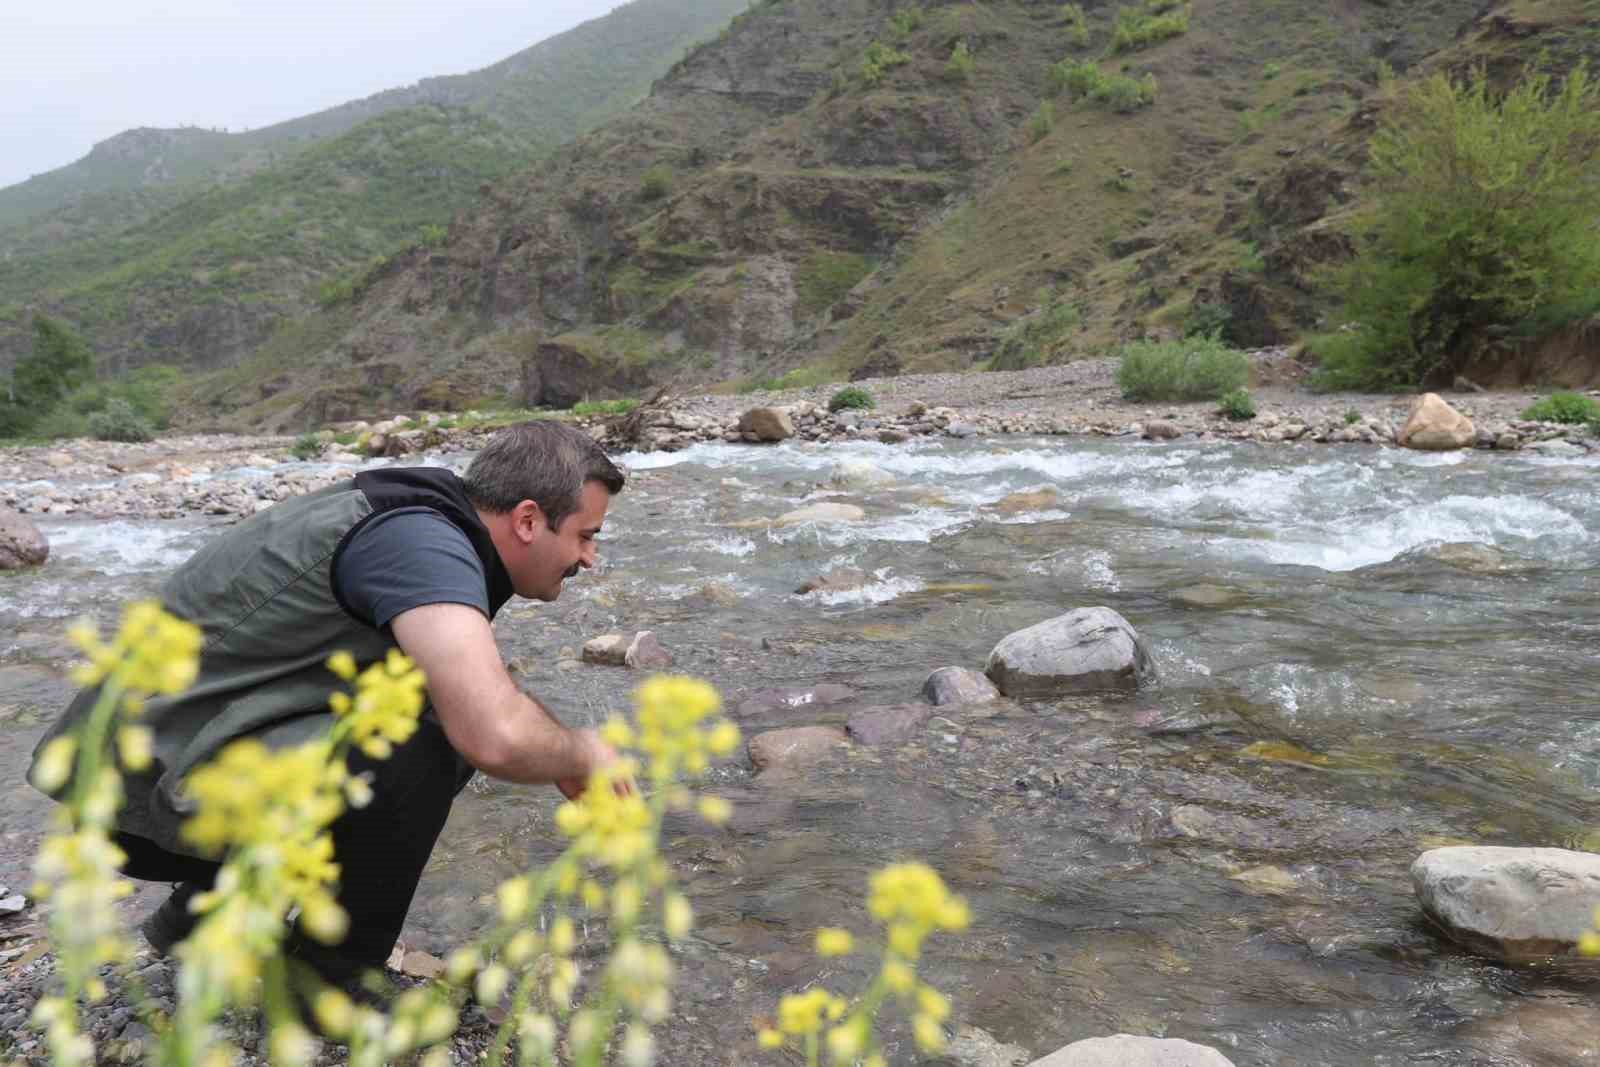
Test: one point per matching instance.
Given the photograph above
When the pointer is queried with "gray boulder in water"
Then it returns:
(958, 685)
(1082, 651)
(21, 543)
(1127, 1050)
(1513, 904)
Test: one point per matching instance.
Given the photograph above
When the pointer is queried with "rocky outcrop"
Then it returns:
(958, 685)
(1127, 1050)
(566, 370)
(1435, 426)
(21, 543)
(1513, 904)
(1082, 651)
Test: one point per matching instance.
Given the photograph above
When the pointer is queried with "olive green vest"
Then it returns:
(263, 596)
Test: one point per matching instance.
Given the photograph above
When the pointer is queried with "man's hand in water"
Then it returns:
(593, 754)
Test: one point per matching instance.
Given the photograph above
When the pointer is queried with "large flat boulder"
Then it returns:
(1082, 651)
(1127, 1050)
(1435, 426)
(767, 424)
(1514, 904)
(21, 543)
(795, 747)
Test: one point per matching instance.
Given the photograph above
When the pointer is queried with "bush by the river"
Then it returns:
(119, 422)
(1570, 408)
(1196, 368)
(851, 397)
(1237, 405)
(1484, 222)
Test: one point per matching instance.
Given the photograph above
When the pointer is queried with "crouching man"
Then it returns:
(411, 557)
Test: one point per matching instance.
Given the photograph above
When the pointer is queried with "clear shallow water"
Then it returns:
(1131, 866)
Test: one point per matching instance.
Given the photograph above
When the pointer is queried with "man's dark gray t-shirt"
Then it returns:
(404, 559)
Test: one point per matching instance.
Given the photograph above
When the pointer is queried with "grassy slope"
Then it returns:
(256, 220)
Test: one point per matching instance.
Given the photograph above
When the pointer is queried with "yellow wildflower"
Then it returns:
(677, 916)
(928, 1032)
(715, 810)
(55, 763)
(834, 941)
(135, 744)
(769, 1038)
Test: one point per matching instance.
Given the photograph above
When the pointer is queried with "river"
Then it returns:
(1223, 857)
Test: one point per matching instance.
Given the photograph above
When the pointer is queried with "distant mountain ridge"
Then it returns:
(70, 234)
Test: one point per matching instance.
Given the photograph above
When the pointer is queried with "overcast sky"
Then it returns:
(74, 72)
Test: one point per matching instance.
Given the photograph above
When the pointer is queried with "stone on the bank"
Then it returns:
(1435, 426)
(767, 424)
(1083, 650)
(11, 905)
(892, 436)
(958, 685)
(1513, 904)
(824, 512)
(21, 543)
(607, 650)
(1162, 430)
(972, 1047)
(1126, 1050)
(794, 747)
(645, 653)
(885, 725)
(419, 964)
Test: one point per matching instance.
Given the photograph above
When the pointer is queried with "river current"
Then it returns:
(1363, 653)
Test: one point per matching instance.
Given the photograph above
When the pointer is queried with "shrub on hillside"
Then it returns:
(877, 61)
(1084, 80)
(1077, 25)
(656, 183)
(1042, 122)
(1570, 408)
(960, 67)
(1027, 342)
(1199, 368)
(1484, 219)
(1137, 27)
(306, 447)
(119, 422)
(851, 398)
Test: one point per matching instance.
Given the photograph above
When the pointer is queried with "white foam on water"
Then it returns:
(918, 525)
(1501, 521)
(1093, 568)
(119, 546)
(731, 545)
(1027, 517)
(880, 591)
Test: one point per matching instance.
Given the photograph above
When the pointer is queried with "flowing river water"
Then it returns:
(1223, 857)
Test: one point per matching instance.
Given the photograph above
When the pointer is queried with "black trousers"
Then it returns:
(381, 849)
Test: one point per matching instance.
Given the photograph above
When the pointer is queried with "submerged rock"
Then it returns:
(1017, 503)
(972, 1047)
(958, 685)
(858, 474)
(21, 543)
(1084, 650)
(1126, 1050)
(824, 694)
(881, 726)
(1435, 426)
(838, 580)
(1208, 595)
(825, 512)
(794, 747)
(1513, 904)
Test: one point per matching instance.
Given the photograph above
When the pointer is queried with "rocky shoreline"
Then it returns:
(178, 475)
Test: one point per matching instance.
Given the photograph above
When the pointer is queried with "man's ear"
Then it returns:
(527, 520)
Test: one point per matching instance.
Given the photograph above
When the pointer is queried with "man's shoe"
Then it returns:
(172, 921)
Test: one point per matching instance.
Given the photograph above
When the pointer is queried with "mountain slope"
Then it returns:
(190, 245)
(828, 187)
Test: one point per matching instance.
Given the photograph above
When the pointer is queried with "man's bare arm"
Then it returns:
(495, 727)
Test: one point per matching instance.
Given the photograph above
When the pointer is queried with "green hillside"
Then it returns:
(190, 246)
(842, 187)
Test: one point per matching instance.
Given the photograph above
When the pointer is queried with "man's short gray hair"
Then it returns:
(544, 461)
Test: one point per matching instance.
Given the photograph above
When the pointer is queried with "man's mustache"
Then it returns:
(571, 571)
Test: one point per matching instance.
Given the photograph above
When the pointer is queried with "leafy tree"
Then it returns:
(1486, 216)
(60, 362)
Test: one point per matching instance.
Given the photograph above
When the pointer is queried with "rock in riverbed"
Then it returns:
(1082, 651)
(1435, 426)
(21, 543)
(1126, 1050)
(1513, 904)
(958, 685)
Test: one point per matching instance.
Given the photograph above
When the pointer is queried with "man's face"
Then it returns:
(549, 556)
